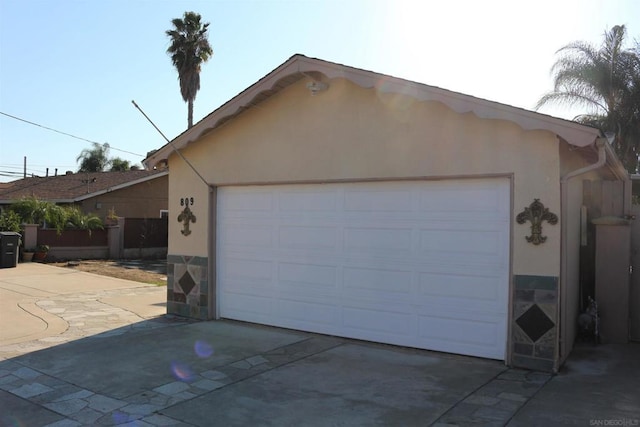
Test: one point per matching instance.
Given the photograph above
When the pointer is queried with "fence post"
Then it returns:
(30, 237)
(114, 240)
(121, 221)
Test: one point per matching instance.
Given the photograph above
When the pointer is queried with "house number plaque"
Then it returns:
(186, 216)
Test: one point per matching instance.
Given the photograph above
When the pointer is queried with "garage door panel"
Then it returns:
(477, 202)
(314, 315)
(248, 307)
(308, 201)
(461, 242)
(469, 331)
(375, 201)
(377, 240)
(252, 270)
(422, 264)
(244, 200)
(375, 279)
(308, 237)
(306, 275)
(372, 322)
(458, 286)
(470, 338)
(253, 236)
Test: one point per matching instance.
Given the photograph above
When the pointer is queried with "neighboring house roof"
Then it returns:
(315, 70)
(75, 187)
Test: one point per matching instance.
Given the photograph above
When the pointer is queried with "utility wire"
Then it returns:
(171, 144)
(68, 134)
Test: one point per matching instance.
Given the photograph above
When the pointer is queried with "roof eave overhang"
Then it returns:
(98, 193)
(574, 133)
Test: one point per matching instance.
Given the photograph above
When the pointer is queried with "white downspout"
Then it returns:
(564, 202)
(602, 159)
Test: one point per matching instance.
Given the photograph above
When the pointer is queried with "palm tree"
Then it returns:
(94, 159)
(189, 49)
(605, 80)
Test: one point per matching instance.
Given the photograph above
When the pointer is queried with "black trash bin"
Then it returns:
(9, 248)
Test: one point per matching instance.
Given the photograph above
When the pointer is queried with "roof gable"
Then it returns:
(301, 67)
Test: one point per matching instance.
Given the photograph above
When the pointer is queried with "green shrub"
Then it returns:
(46, 214)
(10, 221)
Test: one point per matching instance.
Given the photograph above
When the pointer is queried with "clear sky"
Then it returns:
(75, 66)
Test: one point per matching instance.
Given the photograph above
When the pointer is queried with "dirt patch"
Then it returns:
(144, 271)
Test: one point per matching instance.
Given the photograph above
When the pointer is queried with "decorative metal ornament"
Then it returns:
(185, 217)
(536, 213)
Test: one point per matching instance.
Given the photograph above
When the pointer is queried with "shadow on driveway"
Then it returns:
(169, 372)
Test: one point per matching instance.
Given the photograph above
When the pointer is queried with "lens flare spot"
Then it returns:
(14, 422)
(203, 349)
(120, 418)
(181, 371)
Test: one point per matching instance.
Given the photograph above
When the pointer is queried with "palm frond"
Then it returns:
(189, 48)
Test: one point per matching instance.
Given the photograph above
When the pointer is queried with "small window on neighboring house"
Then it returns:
(164, 213)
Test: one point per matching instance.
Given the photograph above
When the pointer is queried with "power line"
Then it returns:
(68, 134)
(31, 165)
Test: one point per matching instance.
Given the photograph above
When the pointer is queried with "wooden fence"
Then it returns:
(601, 198)
(132, 238)
(70, 238)
(146, 233)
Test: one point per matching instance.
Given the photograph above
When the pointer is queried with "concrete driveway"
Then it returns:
(118, 363)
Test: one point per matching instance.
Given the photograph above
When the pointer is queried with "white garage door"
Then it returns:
(422, 263)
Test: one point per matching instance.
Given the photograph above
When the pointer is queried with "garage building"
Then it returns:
(340, 201)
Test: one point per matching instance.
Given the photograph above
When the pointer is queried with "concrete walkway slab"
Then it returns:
(36, 277)
(122, 365)
(599, 385)
(41, 305)
(351, 384)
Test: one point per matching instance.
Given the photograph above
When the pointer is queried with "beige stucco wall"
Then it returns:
(351, 133)
(185, 184)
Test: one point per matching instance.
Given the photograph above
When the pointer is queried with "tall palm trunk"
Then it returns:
(189, 49)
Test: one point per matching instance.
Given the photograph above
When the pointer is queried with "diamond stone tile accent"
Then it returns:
(535, 323)
(187, 283)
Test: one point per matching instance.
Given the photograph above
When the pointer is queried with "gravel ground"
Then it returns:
(144, 271)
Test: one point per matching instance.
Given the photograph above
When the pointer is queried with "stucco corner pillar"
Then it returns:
(115, 240)
(613, 254)
(30, 236)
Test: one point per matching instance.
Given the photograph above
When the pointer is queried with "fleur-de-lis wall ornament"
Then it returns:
(185, 217)
(536, 213)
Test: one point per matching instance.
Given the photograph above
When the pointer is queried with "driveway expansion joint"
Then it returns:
(497, 401)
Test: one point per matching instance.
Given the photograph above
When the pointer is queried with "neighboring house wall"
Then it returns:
(143, 200)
